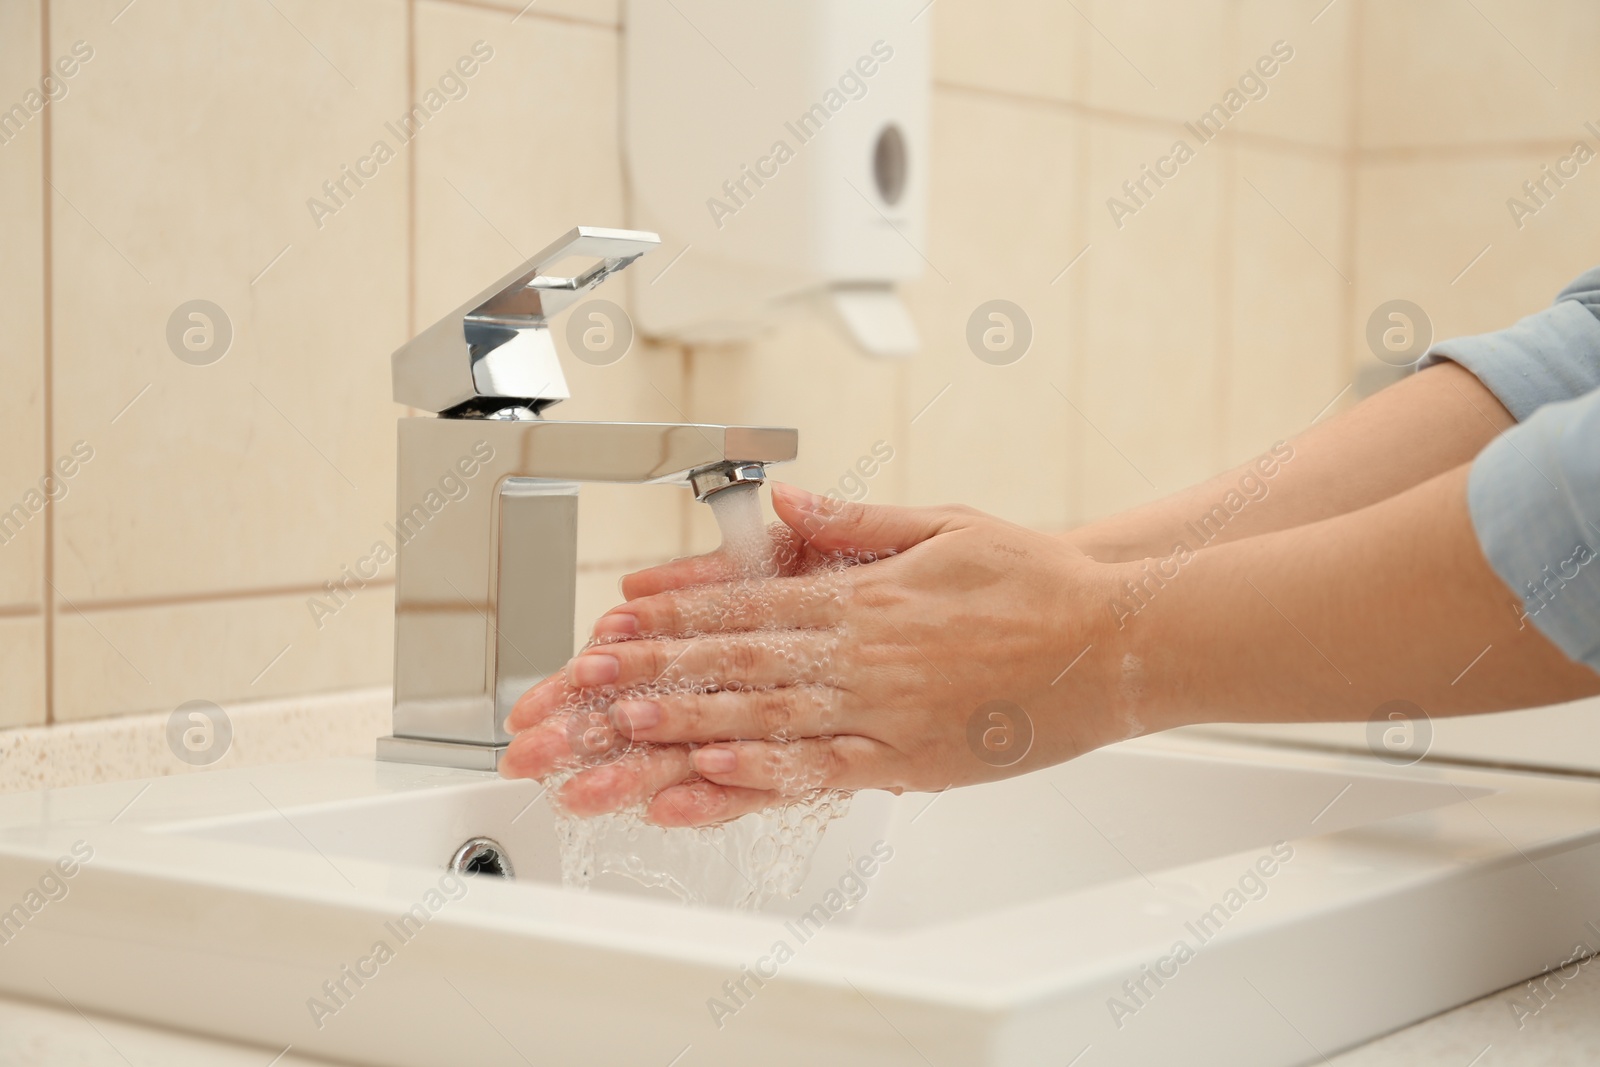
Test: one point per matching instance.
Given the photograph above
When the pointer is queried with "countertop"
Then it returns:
(1485, 1033)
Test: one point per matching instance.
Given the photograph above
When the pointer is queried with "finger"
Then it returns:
(630, 781)
(694, 570)
(540, 702)
(585, 734)
(789, 551)
(808, 602)
(732, 715)
(797, 767)
(538, 751)
(701, 803)
(779, 658)
(829, 525)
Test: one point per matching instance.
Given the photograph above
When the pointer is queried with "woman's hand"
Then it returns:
(953, 658)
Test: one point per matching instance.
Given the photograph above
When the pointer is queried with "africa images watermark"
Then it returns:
(453, 487)
(53, 487)
(853, 486)
(339, 190)
(846, 893)
(851, 86)
(1252, 85)
(1252, 489)
(1543, 990)
(52, 887)
(351, 978)
(1252, 886)
(1538, 595)
(52, 89)
(1543, 187)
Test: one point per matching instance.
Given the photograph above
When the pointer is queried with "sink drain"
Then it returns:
(482, 855)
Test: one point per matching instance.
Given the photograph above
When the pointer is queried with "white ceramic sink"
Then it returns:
(1345, 899)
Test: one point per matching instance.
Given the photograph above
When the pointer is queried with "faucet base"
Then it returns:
(458, 754)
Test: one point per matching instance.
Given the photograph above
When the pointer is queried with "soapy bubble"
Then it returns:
(760, 856)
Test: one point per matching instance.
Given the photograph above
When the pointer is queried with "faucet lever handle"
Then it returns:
(495, 350)
(529, 293)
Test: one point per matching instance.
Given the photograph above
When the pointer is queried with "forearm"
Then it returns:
(1329, 621)
(1416, 429)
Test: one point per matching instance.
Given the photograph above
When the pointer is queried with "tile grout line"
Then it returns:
(543, 16)
(1352, 193)
(141, 603)
(1078, 295)
(1129, 118)
(1227, 240)
(1501, 149)
(686, 506)
(411, 174)
(47, 381)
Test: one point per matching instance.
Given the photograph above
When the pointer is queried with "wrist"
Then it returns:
(1140, 600)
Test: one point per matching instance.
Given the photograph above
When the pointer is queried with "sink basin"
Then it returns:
(1174, 899)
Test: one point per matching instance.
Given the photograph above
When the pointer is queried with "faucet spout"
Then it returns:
(486, 576)
(486, 528)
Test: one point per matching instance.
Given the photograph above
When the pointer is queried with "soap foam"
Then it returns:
(748, 861)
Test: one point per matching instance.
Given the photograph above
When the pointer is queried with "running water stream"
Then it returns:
(748, 861)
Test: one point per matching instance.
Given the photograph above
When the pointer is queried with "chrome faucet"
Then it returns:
(487, 505)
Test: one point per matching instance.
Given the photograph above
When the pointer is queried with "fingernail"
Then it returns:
(616, 624)
(594, 669)
(795, 496)
(631, 716)
(714, 760)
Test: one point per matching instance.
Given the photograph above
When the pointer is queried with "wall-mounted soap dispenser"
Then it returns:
(780, 148)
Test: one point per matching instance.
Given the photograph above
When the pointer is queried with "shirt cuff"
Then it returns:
(1550, 356)
(1534, 494)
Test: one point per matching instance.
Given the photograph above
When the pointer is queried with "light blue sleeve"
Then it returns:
(1535, 500)
(1549, 356)
(1534, 493)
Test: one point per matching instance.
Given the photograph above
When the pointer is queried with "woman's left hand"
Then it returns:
(972, 649)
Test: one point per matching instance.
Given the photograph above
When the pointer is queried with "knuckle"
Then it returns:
(774, 714)
(692, 714)
(660, 658)
(825, 763)
(741, 660)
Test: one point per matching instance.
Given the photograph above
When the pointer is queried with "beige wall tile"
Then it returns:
(1032, 47)
(1309, 98)
(184, 162)
(598, 593)
(112, 662)
(21, 310)
(1003, 225)
(1440, 72)
(1161, 58)
(488, 200)
(1420, 224)
(21, 671)
(1287, 359)
(1153, 300)
(515, 165)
